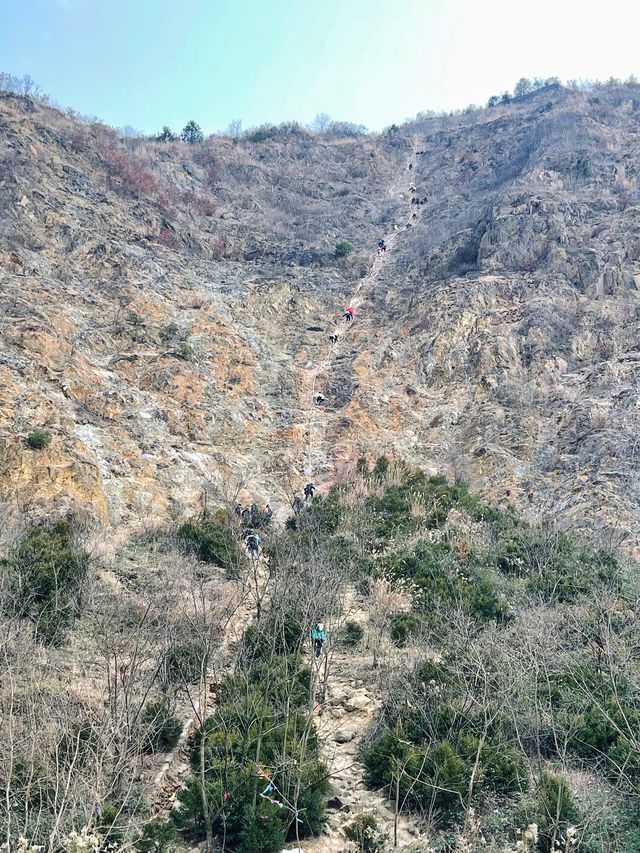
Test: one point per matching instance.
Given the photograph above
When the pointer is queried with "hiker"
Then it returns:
(267, 510)
(238, 510)
(410, 166)
(309, 489)
(318, 635)
(297, 503)
(412, 188)
(333, 338)
(253, 544)
(348, 314)
(319, 398)
(382, 246)
(245, 512)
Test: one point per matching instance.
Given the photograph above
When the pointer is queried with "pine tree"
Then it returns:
(191, 133)
(166, 135)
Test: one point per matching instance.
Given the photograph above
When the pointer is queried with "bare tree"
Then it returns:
(234, 128)
(321, 122)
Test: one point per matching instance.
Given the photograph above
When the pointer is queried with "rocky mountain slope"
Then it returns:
(166, 309)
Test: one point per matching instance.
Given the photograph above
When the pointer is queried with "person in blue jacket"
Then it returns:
(318, 635)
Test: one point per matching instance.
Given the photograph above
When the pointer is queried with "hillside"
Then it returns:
(166, 320)
(166, 310)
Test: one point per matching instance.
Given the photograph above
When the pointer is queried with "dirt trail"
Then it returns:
(353, 698)
(313, 376)
(353, 695)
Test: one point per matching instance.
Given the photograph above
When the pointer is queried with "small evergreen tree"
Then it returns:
(191, 133)
(167, 135)
(523, 87)
(343, 248)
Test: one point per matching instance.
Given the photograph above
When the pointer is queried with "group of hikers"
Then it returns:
(319, 632)
(250, 537)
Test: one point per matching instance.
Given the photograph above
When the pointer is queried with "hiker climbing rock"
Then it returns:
(348, 314)
(253, 544)
(318, 635)
(309, 489)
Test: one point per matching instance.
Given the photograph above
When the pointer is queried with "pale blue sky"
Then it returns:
(152, 62)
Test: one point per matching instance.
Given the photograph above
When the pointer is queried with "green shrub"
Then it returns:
(283, 634)
(46, 574)
(212, 539)
(157, 836)
(169, 332)
(362, 466)
(351, 634)
(404, 626)
(77, 746)
(186, 351)
(260, 722)
(163, 728)
(322, 515)
(504, 767)
(185, 663)
(381, 468)
(429, 746)
(598, 719)
(30, 785)
(364, 833)
(343, 248)
(38, 439)
(555, 811)
(110, 825)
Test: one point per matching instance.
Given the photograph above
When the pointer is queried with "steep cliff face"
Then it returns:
(166, 309)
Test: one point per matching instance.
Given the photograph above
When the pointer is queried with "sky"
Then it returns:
(147, 63)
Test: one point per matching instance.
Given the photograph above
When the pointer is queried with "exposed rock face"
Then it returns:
(161, 307)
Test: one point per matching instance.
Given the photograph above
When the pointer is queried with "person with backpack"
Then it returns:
(318, 636)
(253, 544)
(309, 489)
(348, 314)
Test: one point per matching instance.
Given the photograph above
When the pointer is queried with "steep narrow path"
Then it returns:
(314, 376)
(354, 695)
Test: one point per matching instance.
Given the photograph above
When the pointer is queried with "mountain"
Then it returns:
(166, 310)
